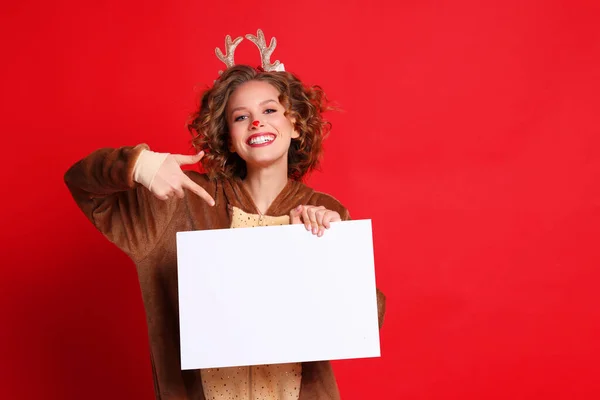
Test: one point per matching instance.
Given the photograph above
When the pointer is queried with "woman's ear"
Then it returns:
(295, 134)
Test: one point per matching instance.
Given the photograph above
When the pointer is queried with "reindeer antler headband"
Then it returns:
(260, 42)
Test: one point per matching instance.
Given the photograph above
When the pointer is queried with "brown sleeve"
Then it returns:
(125, 212)
(333, 204)
(380, 307)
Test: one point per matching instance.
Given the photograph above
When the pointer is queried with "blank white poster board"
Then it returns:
(277, 294)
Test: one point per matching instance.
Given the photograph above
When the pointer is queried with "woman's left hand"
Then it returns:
(315, 218)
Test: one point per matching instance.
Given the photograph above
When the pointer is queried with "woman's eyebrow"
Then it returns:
(262, 103)
(237, 109)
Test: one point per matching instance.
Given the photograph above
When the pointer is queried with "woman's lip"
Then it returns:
(260, 144)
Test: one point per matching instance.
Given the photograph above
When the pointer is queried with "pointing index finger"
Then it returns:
(198, 190)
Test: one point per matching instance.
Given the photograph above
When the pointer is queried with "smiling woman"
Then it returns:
(243, 96)
(258, 132)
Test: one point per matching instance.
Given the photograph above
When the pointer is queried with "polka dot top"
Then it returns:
(256, 382)
(240, 219)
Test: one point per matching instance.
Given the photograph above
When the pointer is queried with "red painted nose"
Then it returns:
(255, 123)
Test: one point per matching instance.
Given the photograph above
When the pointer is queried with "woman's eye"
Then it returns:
(239, 118)
(270, 111)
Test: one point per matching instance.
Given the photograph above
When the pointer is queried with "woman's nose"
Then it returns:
(256, 123)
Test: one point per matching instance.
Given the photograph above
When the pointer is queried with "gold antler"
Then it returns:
(265, 52)
(229, 50)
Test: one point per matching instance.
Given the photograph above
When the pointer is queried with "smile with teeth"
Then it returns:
(255, 140)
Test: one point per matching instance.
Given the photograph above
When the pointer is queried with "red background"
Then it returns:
(470, 136)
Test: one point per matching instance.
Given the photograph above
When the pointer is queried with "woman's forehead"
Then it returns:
(253, 93)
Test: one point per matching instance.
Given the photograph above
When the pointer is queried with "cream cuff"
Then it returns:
(146, 167)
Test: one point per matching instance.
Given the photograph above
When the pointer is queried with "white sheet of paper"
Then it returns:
(276, 294)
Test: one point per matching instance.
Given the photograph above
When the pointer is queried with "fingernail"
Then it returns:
(299, 207)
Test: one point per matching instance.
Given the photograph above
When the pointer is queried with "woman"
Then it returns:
(259, 132)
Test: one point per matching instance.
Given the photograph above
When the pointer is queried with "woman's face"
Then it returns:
(260, 133)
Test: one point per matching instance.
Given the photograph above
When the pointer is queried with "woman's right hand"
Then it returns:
(161, 173)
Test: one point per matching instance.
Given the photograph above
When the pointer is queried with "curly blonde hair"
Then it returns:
(305, 104)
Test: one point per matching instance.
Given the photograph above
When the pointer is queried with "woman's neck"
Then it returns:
(264, 185)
